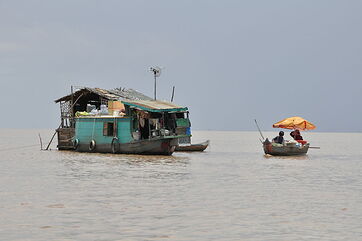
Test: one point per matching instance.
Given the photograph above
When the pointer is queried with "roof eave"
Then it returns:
(181, 109)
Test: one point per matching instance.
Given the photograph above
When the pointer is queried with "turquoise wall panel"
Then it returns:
(124, 130)
(87, 129)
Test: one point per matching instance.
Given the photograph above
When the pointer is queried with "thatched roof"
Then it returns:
(115, 94)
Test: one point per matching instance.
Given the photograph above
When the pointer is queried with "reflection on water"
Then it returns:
(122, 158)
(230, 192)
(300, 157)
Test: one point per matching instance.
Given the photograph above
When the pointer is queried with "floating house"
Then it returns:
(120, 121)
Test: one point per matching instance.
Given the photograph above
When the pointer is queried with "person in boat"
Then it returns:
(296, 135)
(279, 139)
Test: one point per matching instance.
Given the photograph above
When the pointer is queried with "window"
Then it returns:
(108, 129)
(180, 115)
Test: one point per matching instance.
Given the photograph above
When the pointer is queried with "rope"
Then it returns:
(115, 127)
(94, 124)
(14, 148)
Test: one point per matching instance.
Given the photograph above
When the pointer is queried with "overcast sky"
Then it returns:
(231, 61)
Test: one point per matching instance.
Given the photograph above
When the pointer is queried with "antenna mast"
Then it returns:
(156, 73)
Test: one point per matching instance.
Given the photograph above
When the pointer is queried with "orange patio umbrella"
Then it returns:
(295, 123)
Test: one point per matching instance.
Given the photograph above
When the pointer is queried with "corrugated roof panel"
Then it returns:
(155, 105)
(130, 94)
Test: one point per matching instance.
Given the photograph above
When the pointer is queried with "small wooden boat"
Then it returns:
(288, 149)
(193, 147)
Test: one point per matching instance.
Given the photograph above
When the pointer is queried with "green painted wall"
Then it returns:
(124, 131)
(87, 129)
(183, 122)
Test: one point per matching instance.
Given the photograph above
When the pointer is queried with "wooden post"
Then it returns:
(41, 143)
(50, 142)
(173, 93)
(149, 129)
(155, 84)
(71, 109)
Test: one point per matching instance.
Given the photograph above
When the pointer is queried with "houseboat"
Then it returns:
(120, 121)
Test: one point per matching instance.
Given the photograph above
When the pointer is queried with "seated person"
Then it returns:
(296, 135)
(279, 139)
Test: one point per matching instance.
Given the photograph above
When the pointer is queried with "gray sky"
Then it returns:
(231, 61)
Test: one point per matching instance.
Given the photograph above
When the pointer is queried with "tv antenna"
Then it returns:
(156, 73)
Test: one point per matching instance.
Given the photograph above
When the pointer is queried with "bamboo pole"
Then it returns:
(173, 93)
(259, 129)
(50, 142)
(41, 143)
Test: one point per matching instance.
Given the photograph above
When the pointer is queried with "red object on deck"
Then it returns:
(303, 142)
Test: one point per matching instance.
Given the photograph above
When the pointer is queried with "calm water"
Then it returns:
(229, 192)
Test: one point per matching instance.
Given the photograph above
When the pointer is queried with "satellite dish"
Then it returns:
(156, 71)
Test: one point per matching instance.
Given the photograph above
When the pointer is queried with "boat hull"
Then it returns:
(288, 150)
(161, 146)
(193, 147)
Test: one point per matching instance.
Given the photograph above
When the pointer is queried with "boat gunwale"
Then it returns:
(102, 117)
